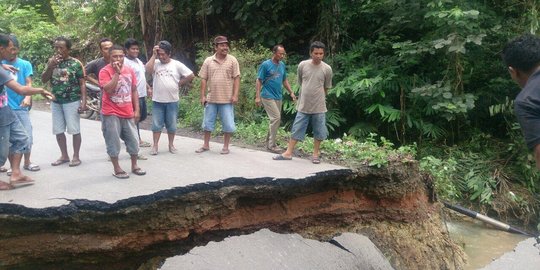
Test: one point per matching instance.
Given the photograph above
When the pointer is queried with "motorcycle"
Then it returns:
(93, 93)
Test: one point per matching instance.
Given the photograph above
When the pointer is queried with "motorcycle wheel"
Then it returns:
(89, 112)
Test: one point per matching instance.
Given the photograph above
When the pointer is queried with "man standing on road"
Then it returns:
(13, 137)
(522, 57)
(20, 104)
(220, 75)
(314, 78)
(120, 111)
(66, 75)
(169, 75)
(132, 53)
(271, 76)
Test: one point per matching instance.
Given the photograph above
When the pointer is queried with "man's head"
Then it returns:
(15, 50)
(104, 45)
(522, 57)
(116, 53)
(6, 46)
(316, 51)
(62, 46)
(279, 52)
(221, 45)
(132, 48)
(164, 52)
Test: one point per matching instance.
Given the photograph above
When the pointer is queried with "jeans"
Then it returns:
(318, 123)
(226, 114)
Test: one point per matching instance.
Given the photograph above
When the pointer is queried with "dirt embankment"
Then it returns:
(391, 206)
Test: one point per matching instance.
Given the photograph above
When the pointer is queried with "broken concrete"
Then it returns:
(266, 250)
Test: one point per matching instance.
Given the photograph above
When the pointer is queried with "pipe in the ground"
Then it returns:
(486, 219)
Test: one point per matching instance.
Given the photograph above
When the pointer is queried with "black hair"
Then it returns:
(116, 47)
(316, 45)
(522, 53)
(104, 40)
(65, 40)
(130, 42)
(4, 40)
(276, 47)
(166, 46)
(14, 40)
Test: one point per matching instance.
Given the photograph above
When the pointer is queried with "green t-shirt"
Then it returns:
(65, 81)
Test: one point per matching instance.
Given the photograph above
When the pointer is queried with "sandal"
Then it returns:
(315, 160)
(201, 150)
(281, 157)
(60, 162)
(3, 169)
(224, 151)
(32, 167)
(153, 152)
(121, 175)
(173, 150)
(5, 186)
(139, 171)
(145, 144)
(75, 163)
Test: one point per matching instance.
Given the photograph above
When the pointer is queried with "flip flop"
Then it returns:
(5, 186)
(281, 157)
(201, 150)
(3, 169)
(315, 160)
(139, 171)
(60, 162)
(75, 163)
(224, 151)
(31, 167)
(153, 152)
(24, 181)
(145, 144)
(141, 157)
(121, 175)
(173, 150)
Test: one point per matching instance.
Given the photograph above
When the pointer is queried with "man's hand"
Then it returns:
(234, 99)
(46, 94)
(117, 67)
(155, 50)
(10, 68)
(258, 101)
(149, 92)
(293, 97)
(54, 61)
(26, 102)
(203, 101)
(137, 116)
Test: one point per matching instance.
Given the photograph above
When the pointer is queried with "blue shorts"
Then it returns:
(66, 117)
(226, 115)
(13, 139)
(318, 124)
(115, 128)
(164, 114)
(24, 117)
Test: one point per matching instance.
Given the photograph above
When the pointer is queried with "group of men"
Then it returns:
(124, 89)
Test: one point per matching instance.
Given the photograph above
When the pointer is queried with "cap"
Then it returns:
(220, 39)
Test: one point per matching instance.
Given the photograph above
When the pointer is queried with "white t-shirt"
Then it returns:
(140, 72)
(166, 80)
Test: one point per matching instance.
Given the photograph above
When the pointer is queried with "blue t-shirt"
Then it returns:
(272, 76)
(6, 114)
(25, 71)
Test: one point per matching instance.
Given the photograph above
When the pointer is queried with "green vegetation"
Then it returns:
(413, 79)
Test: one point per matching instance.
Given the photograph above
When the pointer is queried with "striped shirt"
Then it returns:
(219, 78)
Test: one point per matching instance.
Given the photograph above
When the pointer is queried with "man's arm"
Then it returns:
(236, 89)
(186, 80)
(27, 101)
(152, 61)
(258, 86)
(203, 91)
(288, 87)
(135, 103)
(82, 85)
(47, 74)
(28, 90)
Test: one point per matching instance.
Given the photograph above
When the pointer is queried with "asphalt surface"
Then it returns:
(266, 250)
(93, 180)
(526, 256)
